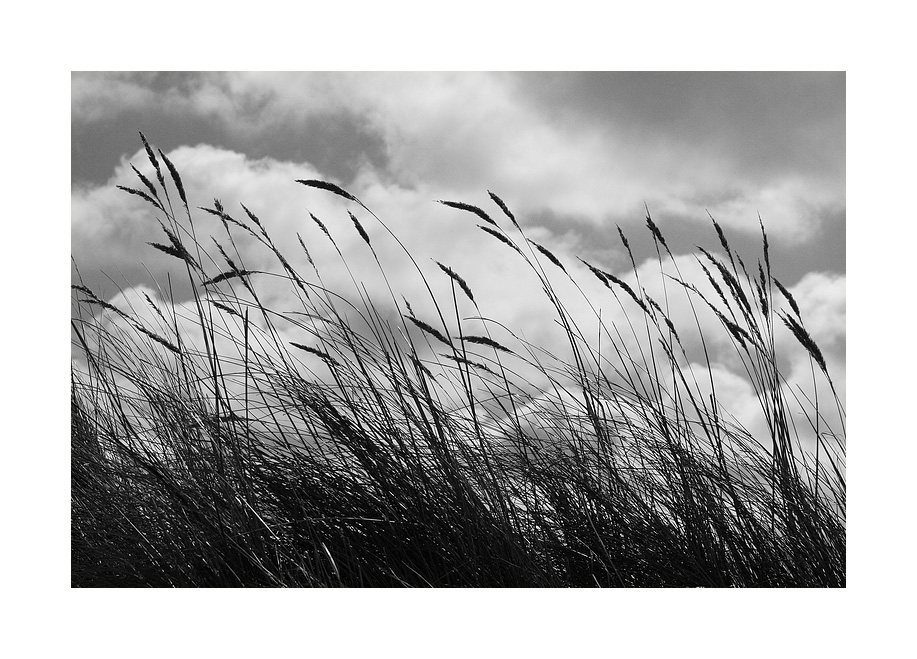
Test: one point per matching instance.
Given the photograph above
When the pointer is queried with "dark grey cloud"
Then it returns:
(96, 150)
(766, 123)
(336, 143)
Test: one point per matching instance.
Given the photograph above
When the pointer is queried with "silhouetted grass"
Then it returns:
(397, 450)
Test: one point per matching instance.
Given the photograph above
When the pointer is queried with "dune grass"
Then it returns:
(400, 449)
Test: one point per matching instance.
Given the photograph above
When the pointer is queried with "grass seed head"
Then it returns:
(330, 187)
(175, 177)
(504, 208)
(471, 209)
(457, 279)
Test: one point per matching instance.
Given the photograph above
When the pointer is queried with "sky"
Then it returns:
(574, 151)
(574, 155)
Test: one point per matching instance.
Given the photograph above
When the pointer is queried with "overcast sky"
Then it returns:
(571, 151)
(572, 154)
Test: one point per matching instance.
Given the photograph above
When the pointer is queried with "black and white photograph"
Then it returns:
(478, 330)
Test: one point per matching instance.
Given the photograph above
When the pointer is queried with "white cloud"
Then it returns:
(822, 298)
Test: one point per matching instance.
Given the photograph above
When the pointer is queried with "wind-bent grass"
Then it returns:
(398, 450)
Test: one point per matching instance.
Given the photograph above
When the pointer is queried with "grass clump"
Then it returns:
(208, 449)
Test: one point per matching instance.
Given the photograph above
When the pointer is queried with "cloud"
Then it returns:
(822, 297)
(483, 134)
(588, 156)
(96, 97)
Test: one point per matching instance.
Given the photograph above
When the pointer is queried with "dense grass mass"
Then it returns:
(403, 449)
